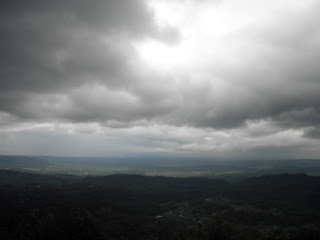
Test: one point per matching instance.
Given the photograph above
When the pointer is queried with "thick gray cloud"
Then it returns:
(271, 72)
(79, 62)
(46, 44)
(312, 133)
(49, 50)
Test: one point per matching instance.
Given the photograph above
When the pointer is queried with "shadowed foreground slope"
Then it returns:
(139, 207)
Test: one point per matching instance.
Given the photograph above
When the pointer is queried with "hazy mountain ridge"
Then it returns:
(232, 170)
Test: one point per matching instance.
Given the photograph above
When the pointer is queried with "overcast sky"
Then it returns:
(219, 78)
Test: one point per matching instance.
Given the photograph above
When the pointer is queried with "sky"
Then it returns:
(120, 78)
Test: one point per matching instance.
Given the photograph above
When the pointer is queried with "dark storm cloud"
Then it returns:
(312, 133)
(47, 45)
(50, 49)
(74, 61)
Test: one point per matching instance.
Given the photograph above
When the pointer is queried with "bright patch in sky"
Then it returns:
(164, 57)
(205, 27)
(167, 57)
(202, 28)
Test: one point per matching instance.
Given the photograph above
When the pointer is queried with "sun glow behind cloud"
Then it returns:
(202, 27)
(163, 57)
(171, 57)
(206, 28)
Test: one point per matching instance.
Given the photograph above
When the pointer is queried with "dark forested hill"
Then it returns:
(288, 190)
(120, 206)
